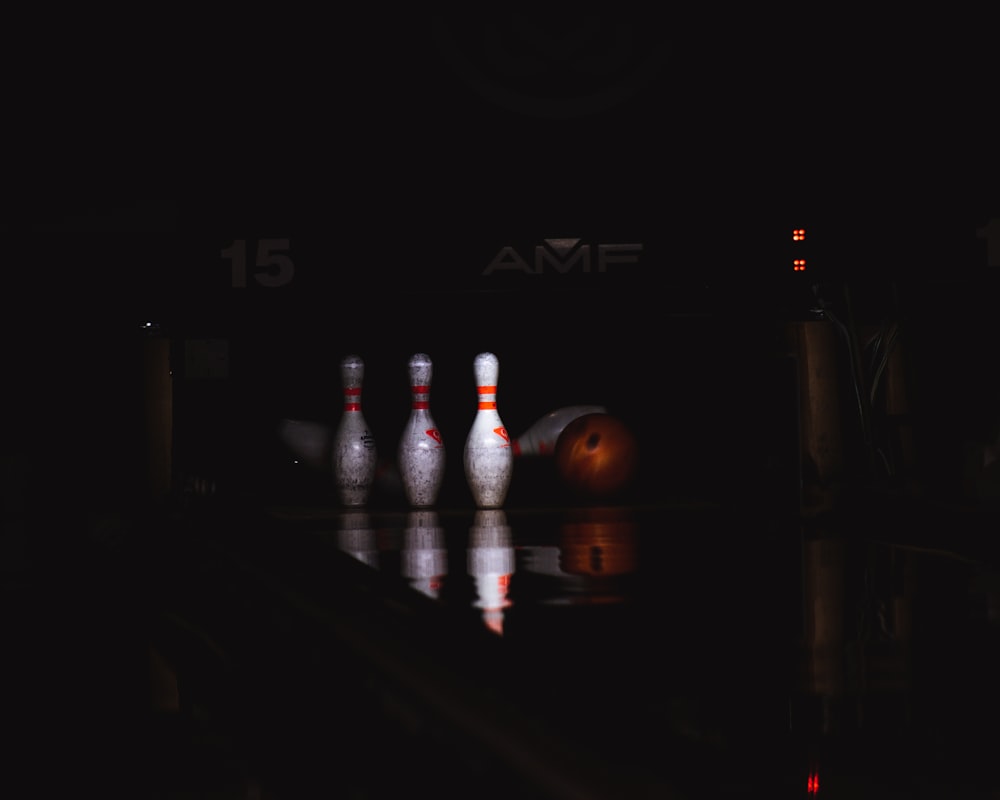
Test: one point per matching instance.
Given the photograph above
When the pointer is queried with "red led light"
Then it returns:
(812, 783)
(799, 235)
(799, 265)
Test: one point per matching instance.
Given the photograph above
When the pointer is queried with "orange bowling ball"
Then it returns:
(596, 456)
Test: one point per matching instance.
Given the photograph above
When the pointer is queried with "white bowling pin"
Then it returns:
(354, 453)
(488, 458)
(421, 449)
(540, 439)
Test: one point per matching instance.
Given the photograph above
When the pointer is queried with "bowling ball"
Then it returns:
(596, 456)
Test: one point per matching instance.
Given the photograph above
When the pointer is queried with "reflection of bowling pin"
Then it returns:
(491, 563)
(540, 439)
(354, 454)
(424, 554)
(489, 460)
(421, 449)
(356, 538)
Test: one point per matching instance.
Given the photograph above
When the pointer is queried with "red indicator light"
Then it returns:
(799, 265)
(812, 783)
(799, 235)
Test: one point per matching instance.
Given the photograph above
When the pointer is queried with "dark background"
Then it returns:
(393, 159)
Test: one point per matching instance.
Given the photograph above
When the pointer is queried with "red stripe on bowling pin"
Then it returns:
(487, 398)
(421, 397)
(352, 398)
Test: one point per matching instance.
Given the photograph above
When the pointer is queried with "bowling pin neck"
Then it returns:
(486, 369)
(420, 370)
(352, 374)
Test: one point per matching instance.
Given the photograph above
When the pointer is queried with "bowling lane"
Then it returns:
(662, 651)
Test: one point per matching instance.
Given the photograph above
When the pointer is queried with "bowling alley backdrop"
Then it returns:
(779, 379)
(759, 317)
(790, 378)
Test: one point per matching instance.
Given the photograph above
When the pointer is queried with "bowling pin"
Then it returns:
(488, 458)
(421, 448)
(540, 439)
(354, 453)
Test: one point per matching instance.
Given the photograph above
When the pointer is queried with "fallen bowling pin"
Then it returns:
(540, 439)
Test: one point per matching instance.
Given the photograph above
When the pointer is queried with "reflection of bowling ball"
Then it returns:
(598, 542)
(596, 456)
